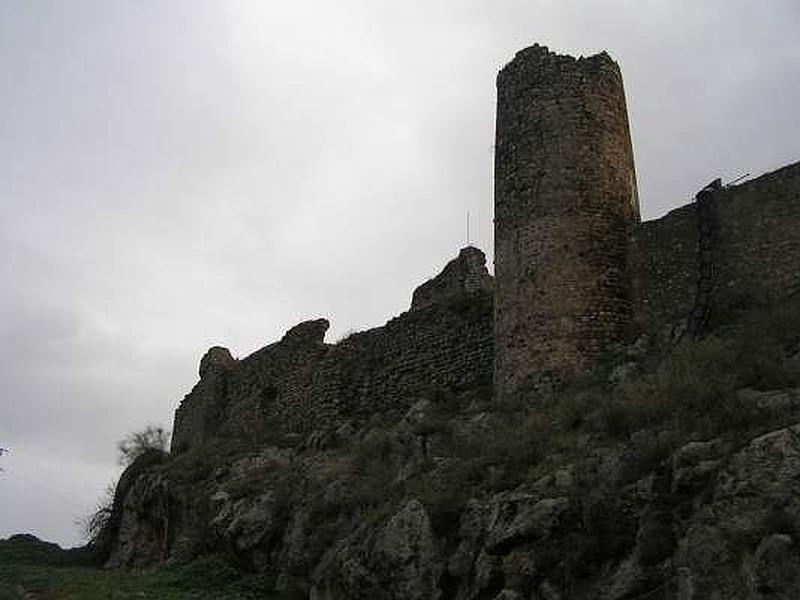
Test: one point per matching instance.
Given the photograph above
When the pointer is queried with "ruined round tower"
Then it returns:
(565, 206)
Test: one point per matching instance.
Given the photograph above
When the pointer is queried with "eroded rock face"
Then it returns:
(143, 534)
(245, 523)
(754, 509)
(777, 567)
(520, 517)
(406, 547)
(398, 560)
(711, 521)
(121, 540)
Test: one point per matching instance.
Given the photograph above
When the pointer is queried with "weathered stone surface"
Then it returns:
(755, 495)
(628, 578)
(406, 548)
(565, 206)
(522, 517)
(471, 530)
(547, 591)
(143, 534)
(756, 252)
(308, 332)
(247, 522)
(300, 384)
(217, 359)
(463, 277)
(777, 568)
(397, 562)
(772, 400)
(117, 544)
(694, 465)
(200, 412)
(508, 595)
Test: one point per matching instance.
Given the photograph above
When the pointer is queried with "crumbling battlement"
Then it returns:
(462, 277)
(301, 384)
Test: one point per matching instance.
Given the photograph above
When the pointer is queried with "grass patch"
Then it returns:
(50, 573)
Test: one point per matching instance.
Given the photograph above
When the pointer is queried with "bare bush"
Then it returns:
(152, 437)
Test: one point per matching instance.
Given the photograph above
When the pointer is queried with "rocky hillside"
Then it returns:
(673, 473)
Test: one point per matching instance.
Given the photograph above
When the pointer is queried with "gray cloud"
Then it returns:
(175, 175)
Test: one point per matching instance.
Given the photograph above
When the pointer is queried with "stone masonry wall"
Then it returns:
(565, 206)
(755, 254)
(664, 260)
(466, 275)
(575, 274)
(301, 384)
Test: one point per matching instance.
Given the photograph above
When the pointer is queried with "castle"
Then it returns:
(577, 275)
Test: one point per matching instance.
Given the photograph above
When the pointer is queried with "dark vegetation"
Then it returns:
(47, 572)
(673, 398)
(152, 437)
(687, 394)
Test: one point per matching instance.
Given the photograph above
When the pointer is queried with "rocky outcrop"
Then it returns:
(117, 541)
(399, 559)
(718, 518)
(143, 535)
(750, 526)
(670, 476)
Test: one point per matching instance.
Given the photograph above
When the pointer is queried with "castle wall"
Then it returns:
(664, 260)
(300, 384)
(575, 274)
(565, 205)
(758, 250)
(200, 412)
(755, 251)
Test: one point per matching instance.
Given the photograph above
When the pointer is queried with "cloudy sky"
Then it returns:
(181, 173)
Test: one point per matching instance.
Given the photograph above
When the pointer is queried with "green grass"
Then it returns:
(88, 583)
(49, 573)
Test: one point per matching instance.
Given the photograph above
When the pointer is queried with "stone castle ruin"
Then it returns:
(577, 275)
(565, 207)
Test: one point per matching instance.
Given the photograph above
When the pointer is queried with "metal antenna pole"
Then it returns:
(467, 227)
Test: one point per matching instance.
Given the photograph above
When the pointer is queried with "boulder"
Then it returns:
(519, 517)
(777, 568)
(395, 561)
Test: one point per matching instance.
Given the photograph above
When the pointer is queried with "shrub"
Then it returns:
(445, 491)
(764, 340)
(152, 437)
(92, 525)
(374, 452)
(692, 388)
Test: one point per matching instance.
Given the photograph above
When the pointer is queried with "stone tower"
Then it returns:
(565, 206)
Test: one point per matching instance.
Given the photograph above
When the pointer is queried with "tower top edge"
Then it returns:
(540, 56)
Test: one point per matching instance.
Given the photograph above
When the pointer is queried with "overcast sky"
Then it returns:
(177, 174)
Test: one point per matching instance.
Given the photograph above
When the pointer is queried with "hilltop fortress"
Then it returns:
(578, 276)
